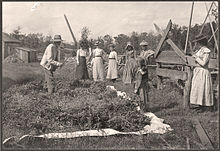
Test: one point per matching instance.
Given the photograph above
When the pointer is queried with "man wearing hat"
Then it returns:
(145, 52)
(201, 90)
(50, 63)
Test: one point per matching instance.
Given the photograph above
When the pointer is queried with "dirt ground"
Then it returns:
(165, 103)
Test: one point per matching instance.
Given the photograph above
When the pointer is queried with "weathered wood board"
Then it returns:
(164, 37)
(173, 74)
(176, 49)
(213, 63)
(169, 57)
(202, 134)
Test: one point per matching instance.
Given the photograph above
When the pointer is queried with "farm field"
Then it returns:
(27, 109)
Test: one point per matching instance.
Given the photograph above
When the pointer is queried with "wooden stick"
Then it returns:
(203, 25)
(216, 44)
(165, 142)
(202, 134)
(187, 143)
(74, 39)
(212, 35)
(190, 20)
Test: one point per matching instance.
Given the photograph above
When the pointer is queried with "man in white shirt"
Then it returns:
(50, 63)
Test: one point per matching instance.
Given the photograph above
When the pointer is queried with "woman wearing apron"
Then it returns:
(98, 65)
(81, 68)
(112, 65)
(201, 91)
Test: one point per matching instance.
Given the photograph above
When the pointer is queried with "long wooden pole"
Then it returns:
(212, 35)
(74, 39)
(203, 25)
(190, 20)
(213, 32)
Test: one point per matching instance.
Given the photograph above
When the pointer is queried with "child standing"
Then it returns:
(112, 66)
(141, 84)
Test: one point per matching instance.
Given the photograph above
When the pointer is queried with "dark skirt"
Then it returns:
(81, 69)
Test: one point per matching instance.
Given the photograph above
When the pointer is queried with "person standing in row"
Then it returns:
(81, 68)
(145, 52)
(50, 63)
(98, 63)
(128, 72)
(201, 90)
(112, 65)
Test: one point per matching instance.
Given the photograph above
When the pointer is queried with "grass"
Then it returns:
(71, 97)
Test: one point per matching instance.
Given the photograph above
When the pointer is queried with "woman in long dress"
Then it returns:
(112, 65)
(81, 68)
(98, 65)
(201, 90)
(129, 69)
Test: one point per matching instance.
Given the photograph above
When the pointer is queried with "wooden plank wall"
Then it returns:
(173, 74)
(170, 57)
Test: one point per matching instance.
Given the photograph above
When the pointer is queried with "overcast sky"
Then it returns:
(102, 18)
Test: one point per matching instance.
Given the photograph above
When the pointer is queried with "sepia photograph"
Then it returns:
(110, 75)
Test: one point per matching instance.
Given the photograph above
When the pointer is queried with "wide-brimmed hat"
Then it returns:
(200, 37)
(111, 45)
(97, 43)
(57, 38)
(128, 44)
(144, 43)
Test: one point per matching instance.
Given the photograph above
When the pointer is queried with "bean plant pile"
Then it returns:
(74, 106)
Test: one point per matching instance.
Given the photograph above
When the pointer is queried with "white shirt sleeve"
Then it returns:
(50, 56)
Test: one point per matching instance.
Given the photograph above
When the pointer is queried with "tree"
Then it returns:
(135, 40)
(16, 33)
(85, 32)
(107, 40)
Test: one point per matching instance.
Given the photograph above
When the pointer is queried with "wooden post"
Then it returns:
(187, 87)
(187, 36)
(203, 25)
(213, 32)
(159, 78)
(74, 39)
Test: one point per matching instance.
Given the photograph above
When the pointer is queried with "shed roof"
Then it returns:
(26, 49)
(8, 38)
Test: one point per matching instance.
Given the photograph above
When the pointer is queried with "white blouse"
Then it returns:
(79, 53)
(98, 52)
(114, 55)
(202, 56)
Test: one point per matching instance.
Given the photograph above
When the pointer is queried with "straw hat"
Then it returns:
(129, 44)
(144, 43)
(97, 43)
(112, 45)
(57, 38)
(199, 38)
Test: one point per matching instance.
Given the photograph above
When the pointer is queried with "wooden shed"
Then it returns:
(27, 55)
(8, 45)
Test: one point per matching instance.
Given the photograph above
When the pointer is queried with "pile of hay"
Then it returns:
(74, 106)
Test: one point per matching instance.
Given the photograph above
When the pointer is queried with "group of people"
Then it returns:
(135, 71)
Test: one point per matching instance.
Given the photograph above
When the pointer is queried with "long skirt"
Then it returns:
(201, 90)
(98, 69)
(112, 69)
(81, 69)
(129, 71)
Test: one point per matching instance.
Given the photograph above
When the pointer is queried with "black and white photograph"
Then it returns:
(110, 75)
